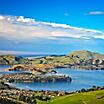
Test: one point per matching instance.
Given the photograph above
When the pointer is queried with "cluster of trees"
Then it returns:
(32, 98)
(94, 88)
(4, 100)
(27, 99)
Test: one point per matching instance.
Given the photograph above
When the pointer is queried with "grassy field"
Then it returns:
(95, 97)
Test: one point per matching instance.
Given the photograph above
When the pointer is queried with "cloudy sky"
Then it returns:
(50, 26)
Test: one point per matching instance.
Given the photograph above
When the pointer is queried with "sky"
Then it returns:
(51, 26)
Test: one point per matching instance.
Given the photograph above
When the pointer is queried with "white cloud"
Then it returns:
(96, 13)
(22, 19)
(4, 52)
(26, 28)
(1, 17)
(12, 52)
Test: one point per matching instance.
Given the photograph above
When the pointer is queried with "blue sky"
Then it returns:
(55, 10)
(78, 14)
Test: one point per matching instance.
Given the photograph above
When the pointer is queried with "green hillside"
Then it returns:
(95, 97)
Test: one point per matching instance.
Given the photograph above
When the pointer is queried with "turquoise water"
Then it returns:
(80, 79)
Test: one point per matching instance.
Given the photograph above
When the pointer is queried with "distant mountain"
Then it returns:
(85, 54)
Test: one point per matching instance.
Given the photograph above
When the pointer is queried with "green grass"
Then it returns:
(96, 97)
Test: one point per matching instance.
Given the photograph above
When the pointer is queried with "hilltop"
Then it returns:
(85, 54)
